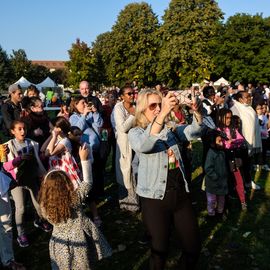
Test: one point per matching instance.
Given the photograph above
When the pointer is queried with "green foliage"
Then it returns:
(20, 64)
(59, 76)
(102, 51)
(243, 49)
(38, 73)
(81, 65)
(6, 74)
(185, 38)
(132, 54)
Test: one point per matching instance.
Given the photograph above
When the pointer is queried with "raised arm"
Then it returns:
(87, 183)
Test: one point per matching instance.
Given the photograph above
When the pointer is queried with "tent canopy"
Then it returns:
(221, 81)
(24, 83)
(48, 82)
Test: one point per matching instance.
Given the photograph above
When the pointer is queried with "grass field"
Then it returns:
(242, 241)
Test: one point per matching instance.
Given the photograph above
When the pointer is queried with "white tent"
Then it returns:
(221, 81)
(24, 83)
(48, 82)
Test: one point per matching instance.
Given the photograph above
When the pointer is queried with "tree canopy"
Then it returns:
(5, 70)
(243, 49)
(185, 36)
(82, 64)
(132, 46)
(191, 43)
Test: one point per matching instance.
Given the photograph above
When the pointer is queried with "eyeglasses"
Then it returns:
(130, 94)
(153, 106)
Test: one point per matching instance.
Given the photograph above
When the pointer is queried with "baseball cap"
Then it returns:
(13, 88)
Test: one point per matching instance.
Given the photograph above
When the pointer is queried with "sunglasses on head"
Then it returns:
(130, 94)
(153, 106)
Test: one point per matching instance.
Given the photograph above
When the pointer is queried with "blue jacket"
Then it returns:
(153, 158)
(84, 123)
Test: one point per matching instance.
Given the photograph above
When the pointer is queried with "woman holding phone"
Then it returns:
(162, 184)
(89, 121)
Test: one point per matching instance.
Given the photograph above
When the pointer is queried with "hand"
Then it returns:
(131, 110)
(83, 152)
(87, 110)
(168, 103)
(56, 131)
(38, 132)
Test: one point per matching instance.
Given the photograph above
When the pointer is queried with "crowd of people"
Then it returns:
(61, 164)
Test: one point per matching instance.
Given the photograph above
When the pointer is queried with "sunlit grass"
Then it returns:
(242, 241)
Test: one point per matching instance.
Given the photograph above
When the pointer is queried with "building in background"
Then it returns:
(51, 65)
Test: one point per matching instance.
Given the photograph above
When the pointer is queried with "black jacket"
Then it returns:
(10, 112)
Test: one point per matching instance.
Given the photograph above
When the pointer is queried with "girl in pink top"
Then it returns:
(234, 145)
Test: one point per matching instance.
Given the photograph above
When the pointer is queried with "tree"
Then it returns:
(81, 65)
(185, 41)
(20, 64)
(37, 73)
(6, 75)
(133, 45)
(59, 76)
(243, 49)
(102, 51)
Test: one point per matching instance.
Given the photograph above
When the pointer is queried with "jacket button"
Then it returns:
(160, 196)
(165, 166)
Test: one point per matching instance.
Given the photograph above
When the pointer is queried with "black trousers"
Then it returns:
(159, 216)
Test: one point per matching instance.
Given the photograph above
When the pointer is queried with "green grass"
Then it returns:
(240, 242)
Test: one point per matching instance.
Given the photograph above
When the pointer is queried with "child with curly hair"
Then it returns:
(75, 242)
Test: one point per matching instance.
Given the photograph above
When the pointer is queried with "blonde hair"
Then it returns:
(141, 105)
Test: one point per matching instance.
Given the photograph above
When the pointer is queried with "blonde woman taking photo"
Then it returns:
(162, 185)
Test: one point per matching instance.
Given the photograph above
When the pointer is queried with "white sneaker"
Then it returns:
(265, 167)
(255, 186)
(256, 167)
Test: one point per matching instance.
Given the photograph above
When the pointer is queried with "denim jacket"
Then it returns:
(153, 158)
(84, 123)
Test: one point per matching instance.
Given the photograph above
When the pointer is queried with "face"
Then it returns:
(264, 109)
(219, 142)
(228, 119)
(212, 98)
(84, 89)
(32, 93)
(17, 96)
(80, 106)
(38, 108)
(19, 132)
(259, 110)
(128, 95)
(246, 98)
(153, 108)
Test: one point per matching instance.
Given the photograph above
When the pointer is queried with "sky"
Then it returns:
(46, 29)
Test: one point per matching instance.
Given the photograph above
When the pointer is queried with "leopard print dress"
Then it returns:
(77, 243)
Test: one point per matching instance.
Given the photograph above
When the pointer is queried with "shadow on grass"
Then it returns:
(242, 241)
